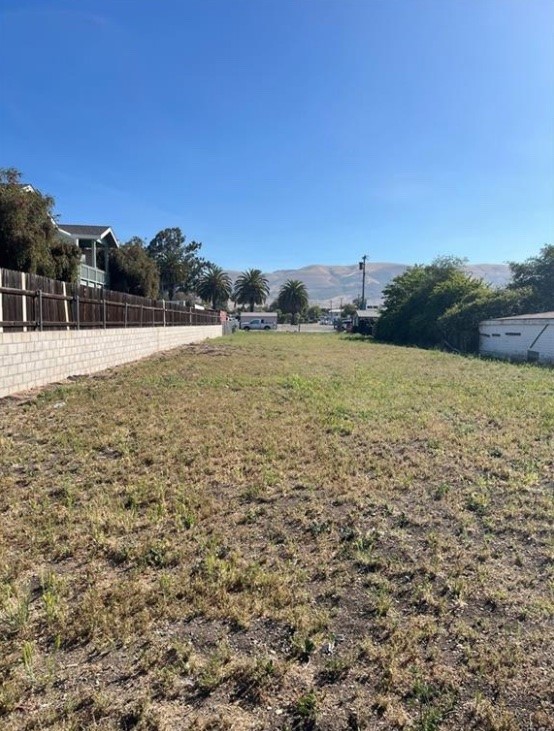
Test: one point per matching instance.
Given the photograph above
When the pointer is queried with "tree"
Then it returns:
(274, 307)
(426, 331)
(29, 239)
(251, 288)
(313, 313)
(349, 310)
(460, 323)
(394, 325)
(215, 286)
(133, 271)
(536, 275)
(415, 300)
(179, 265)
(293, 298)
(66, 260)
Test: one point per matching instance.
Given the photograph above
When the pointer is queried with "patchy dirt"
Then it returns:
(307, 533)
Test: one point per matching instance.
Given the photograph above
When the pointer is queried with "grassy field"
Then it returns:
(280, 531)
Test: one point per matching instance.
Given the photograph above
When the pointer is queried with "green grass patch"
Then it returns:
(279, 531)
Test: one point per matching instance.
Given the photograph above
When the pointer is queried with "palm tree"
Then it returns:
(215, 286)
(251, 288)
(293, 298)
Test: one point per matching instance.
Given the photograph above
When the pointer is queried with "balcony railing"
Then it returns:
(92, 277)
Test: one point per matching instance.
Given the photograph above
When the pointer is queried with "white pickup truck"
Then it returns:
(258, 323)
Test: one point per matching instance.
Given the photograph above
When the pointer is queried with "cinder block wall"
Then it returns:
(32, 359)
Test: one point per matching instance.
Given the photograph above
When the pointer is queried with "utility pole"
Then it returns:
(362, 269)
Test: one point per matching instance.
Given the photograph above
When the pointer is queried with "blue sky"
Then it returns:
(285, 133)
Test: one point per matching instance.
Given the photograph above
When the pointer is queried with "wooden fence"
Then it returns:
(31, 302)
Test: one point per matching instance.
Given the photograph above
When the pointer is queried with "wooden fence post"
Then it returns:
(163, 308)
(126, 310)
(23, 303)
(65, 305)
(104, 312)
(1, 304)
(40, 318)
(77, 314)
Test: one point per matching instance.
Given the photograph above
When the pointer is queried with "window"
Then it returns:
(516, 334)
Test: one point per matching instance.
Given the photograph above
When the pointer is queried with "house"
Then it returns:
(363, 321)
(523, 337)
(95, 243)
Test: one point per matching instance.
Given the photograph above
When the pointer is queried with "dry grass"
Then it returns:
(280, 531)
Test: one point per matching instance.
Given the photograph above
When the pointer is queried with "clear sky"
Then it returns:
(283, 133)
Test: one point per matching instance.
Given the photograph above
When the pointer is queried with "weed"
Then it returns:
(304, 711)
(478, 503)
(441, 491)
(335, 670)
(215, 670)
(254, 678)
(28, 657)
(191, 531)
(303, 647)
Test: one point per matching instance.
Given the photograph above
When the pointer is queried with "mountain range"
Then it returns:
(328, 285)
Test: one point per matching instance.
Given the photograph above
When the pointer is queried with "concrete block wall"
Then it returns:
(32, 359)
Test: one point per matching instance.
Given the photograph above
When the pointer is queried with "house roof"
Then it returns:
(84, 231)
(533, 316)
(537, 318)
(88, 232)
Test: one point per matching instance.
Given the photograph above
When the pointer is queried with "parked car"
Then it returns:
(343, 324)
(258, 324)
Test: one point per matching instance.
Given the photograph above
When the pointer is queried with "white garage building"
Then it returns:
(524, 337)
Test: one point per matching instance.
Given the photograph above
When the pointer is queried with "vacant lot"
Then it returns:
(280, 531)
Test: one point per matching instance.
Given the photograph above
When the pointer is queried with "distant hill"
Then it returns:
(326, 283)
